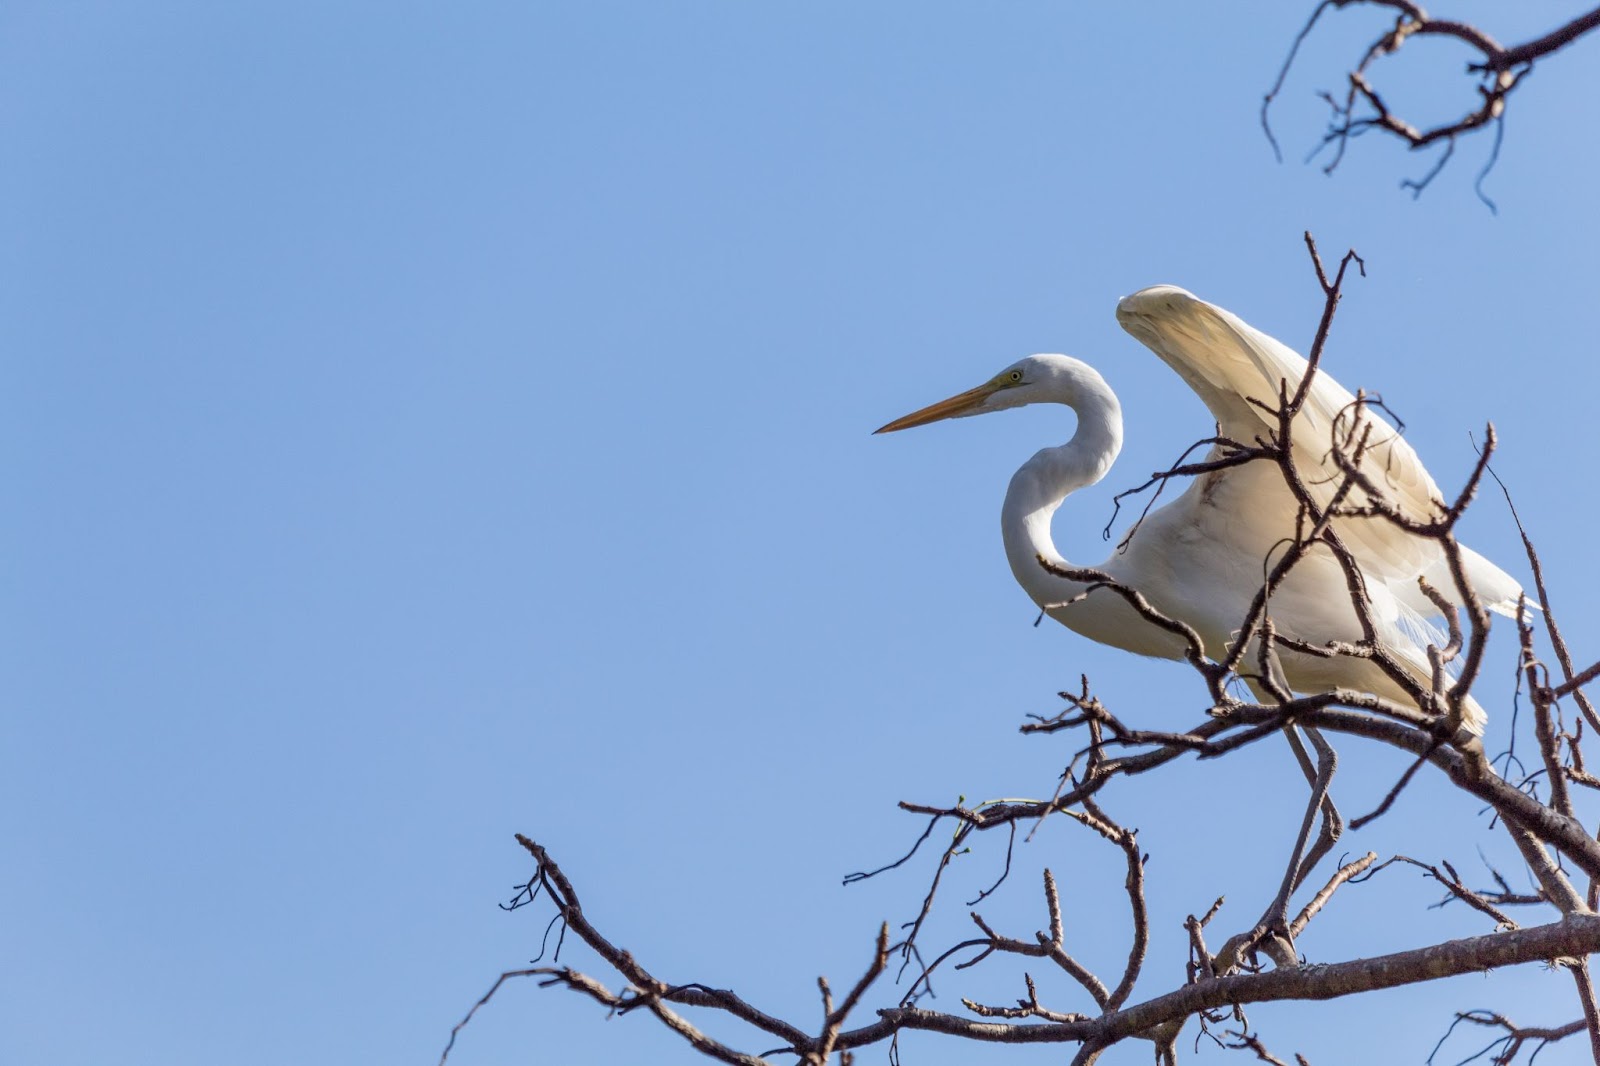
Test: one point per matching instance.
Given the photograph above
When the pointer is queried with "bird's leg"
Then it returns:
(1275, 922)
(1272, 934)
(1319, 778)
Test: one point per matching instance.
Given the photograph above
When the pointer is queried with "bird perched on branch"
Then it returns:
(1203, 558)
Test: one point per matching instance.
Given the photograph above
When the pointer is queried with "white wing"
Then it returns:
(1227, 363)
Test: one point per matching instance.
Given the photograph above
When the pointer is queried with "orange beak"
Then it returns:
(960, 404)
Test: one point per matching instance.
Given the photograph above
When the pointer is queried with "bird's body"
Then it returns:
(1202, 558)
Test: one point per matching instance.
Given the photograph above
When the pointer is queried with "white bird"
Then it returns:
(1202, 558)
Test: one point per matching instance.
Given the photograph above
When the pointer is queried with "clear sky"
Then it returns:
(425, 422)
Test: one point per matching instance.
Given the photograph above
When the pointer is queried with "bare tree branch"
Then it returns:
(1575, 936)
(1506, 1048)
(1260, 962)
(1361, 107)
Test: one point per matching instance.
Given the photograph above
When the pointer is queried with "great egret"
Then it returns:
(1203, 557)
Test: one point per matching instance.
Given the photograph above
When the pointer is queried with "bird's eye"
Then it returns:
(1014, 377)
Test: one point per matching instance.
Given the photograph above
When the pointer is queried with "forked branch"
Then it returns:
(1362, 107)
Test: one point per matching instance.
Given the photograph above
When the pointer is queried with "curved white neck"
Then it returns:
(1047, 479)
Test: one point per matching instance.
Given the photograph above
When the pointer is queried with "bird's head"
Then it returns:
(1036, 379)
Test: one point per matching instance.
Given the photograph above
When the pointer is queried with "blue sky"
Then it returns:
(427, 423)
